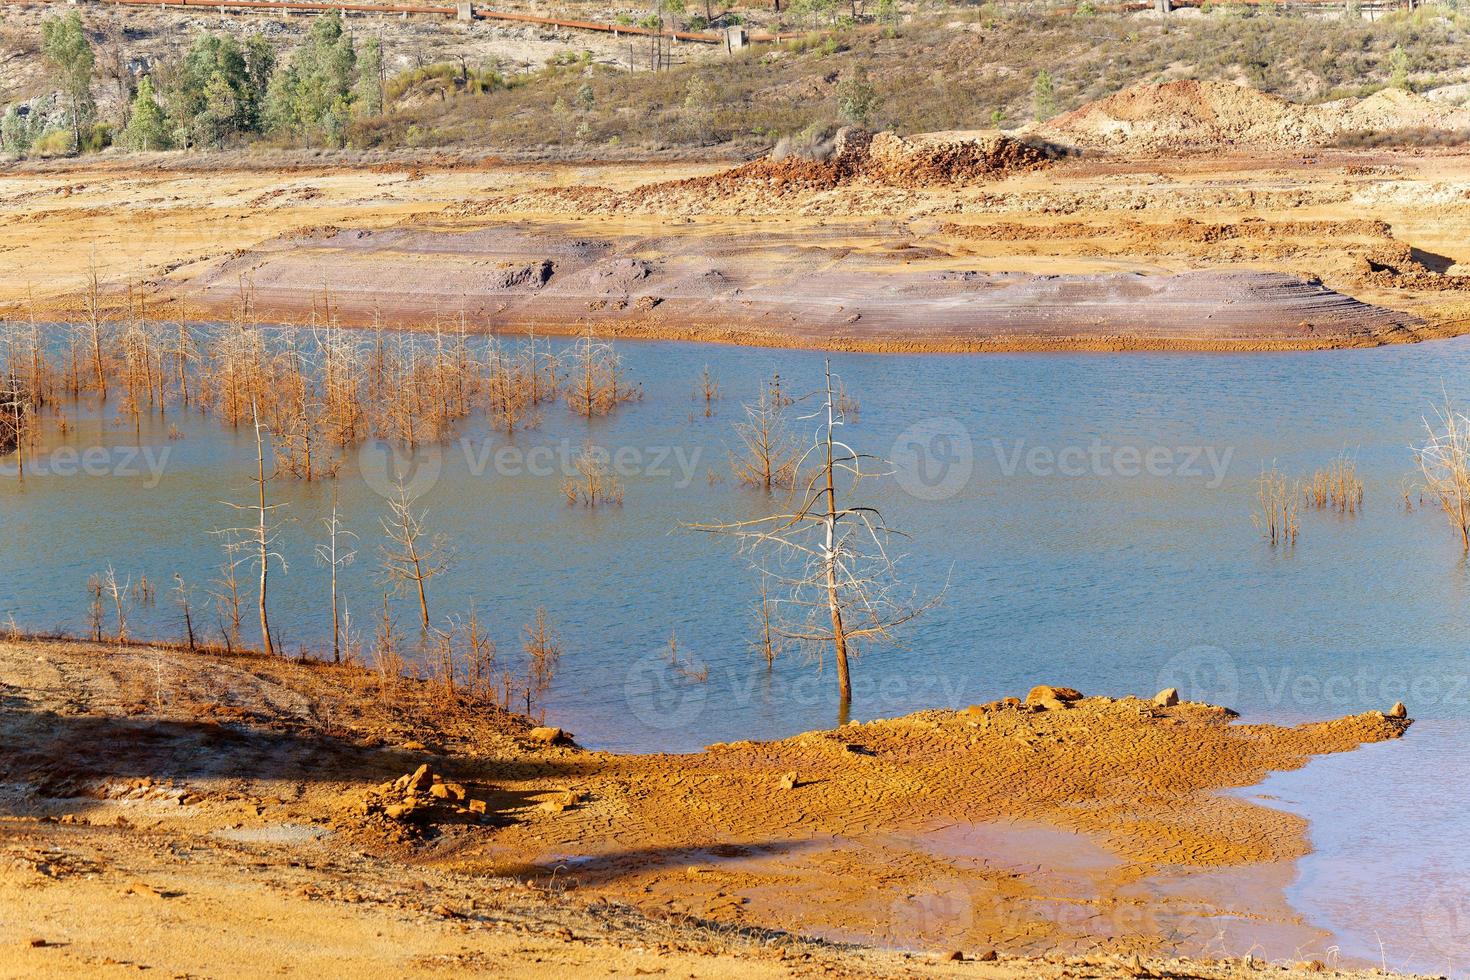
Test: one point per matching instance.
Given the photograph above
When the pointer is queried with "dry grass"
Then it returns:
(1276, 508)
(948, 69)
(1336, 487)
(1444, 462)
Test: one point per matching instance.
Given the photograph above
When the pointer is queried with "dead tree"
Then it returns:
(1444, 461)
(106, 589)
(226, 591)
(412, 557)
(511, 387)
(479, 656)
(182, 594)
(261, 534)
(93, 330)
(543, 653)
(334, 555)
(595, 383)
(769, 457)
(593, 483)
(708, 390)
(15, 420)
(768, 642)
(837, 580)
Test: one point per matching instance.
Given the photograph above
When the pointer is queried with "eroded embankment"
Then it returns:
(759, 289)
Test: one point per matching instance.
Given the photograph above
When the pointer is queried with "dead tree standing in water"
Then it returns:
(831, 557)
(412, 556)
(770, 455)
(261, 534)
(332, 554)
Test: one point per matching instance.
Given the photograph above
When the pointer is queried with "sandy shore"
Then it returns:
(1260, 252)
(232, 816)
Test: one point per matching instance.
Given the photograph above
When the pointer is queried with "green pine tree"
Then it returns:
(148, 128)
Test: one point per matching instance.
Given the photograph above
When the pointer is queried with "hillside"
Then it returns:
(531, 92)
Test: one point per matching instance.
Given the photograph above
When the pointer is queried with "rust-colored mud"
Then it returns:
(209, 806)
(1037, 829)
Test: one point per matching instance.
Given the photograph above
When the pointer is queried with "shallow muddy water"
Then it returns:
(1090, 514)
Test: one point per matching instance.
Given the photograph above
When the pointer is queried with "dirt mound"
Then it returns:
(1188, 114)
(1191, 115)
(1393, 110)
(877, 159)
(947, 158)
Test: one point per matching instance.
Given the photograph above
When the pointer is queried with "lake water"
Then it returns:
(1090, 514)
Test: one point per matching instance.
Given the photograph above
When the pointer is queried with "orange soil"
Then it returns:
(1214, 116)
(223, 815)
(1004, 789)
(1386, 228)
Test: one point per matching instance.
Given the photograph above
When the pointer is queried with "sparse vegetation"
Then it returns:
(1277, 508)
(1444, 462)
(929, 72)
(1336, 487)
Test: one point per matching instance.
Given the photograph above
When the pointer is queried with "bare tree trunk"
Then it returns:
(336, 629)
(262, 538)
(834, 605)
(94, 317)
(423, 599)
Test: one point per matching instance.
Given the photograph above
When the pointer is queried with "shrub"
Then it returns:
(96, 138)
(857, 100)
(56, 143)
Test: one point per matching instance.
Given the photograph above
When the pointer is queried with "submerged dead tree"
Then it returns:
(1444, 461)
(596, 383)
(15, 417)
(335, 554)
(836, 580)
(412, 556)
(768, 457)
(543, 649)
(260, 535)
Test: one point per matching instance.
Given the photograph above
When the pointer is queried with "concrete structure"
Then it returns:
(736, 38)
